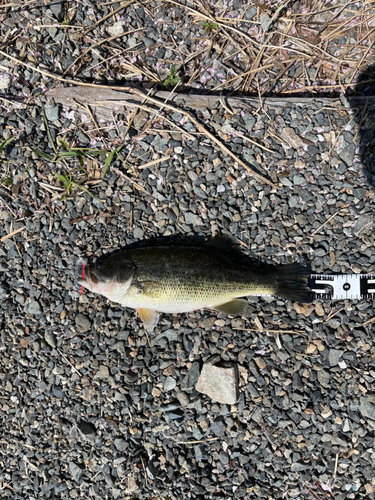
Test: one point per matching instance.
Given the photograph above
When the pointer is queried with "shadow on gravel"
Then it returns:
(363, 104)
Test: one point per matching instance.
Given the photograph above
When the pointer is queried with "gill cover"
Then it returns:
(111, 277)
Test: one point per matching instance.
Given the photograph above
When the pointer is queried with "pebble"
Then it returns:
(103, 372)
(323, 378)
(347, 155)
(33, 307)
(76, 470)
(50, 338)
(5, 81)
(57, 9)
(4, 290)
(367, 407)
(52, 112)
(117, 28)
(334, 356)
(121, 444)
(170, 383)
(83, 322)
(291, 138)
(363, 225)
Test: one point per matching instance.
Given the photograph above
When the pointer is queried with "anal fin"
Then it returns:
(149, 317)
(235, 306)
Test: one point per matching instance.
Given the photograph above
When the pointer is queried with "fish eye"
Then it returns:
(98, 266)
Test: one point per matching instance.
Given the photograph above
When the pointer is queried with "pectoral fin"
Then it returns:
(235, 306)
(149, 317)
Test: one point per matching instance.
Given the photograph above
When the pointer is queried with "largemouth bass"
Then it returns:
(183, 279)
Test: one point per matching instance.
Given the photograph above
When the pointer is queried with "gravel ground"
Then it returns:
(91, 407)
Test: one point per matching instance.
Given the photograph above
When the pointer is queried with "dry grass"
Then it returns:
(286, 48)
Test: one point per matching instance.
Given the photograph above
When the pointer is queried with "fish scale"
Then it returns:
(188, 282)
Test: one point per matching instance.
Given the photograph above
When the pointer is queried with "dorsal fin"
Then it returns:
(224, 244)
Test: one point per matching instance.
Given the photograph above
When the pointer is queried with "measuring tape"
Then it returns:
(342, 286)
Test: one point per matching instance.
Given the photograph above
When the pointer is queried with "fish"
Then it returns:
(182, 279)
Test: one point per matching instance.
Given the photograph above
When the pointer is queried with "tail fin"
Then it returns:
(292, 282)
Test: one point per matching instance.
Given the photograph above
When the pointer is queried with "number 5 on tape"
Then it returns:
(342, 286)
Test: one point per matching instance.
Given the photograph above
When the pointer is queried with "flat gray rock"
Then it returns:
(220, 384)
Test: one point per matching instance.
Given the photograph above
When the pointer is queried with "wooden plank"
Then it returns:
(105, 101)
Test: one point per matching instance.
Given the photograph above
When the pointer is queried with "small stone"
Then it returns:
(33, 307)
(367, 406)
(291, 138)
(57, 9)
(117, 28)
(363, 225)
(220, 384)
(346, 426)
(218, 428)
(305, 309)
(50, 338)
(148, 41)
(58, 392)
(183, 398)
(121, 444)
(238, 324)
(5, 81)
(191, 377)
(169, 384)
(132, 485)
(140, 119)
(83, 323)
(138, 233)
(190, 218)
(334, 356)
(52, 112)
(359, 193)
(319, 309)
(265, 22)
(260, 362)
(298, 180)
(323, 378)
(86, 428)
(103, 372)
(347, 154)
(4, 290)
(250, 13)
(76, 470)
(155, 392)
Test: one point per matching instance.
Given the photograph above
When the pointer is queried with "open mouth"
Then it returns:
(88, 278)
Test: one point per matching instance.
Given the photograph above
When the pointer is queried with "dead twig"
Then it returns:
(12, 234)
(330, 218)
(207, 440)
(312, 491)
(366, 322)
(89, 217)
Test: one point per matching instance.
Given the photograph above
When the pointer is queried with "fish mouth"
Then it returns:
(88, 279)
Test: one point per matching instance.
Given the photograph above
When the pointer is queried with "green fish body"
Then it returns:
(184, 279)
